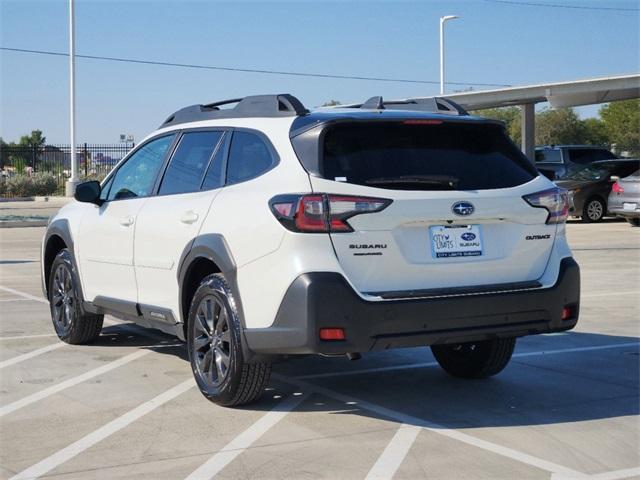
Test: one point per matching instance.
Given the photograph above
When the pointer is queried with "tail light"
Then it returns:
(617, 188)
(556, 202)
(322, 212)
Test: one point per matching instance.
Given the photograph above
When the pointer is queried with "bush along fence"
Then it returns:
(33, 170)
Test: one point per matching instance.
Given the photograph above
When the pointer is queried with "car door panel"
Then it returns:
(169, 222)
(105, 237)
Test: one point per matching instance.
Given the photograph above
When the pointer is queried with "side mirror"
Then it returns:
(88, 192)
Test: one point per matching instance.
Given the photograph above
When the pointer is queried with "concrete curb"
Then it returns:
(29, 199)
(23, 223)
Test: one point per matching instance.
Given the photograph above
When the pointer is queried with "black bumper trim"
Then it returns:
(325, 299)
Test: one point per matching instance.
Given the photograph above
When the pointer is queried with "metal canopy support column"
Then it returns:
(528, 117)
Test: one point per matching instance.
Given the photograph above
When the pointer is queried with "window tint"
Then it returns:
(189, 162)
(249, 156)
(548, 155)
(215, 175)
(588, 155)
(136, 177)
(447, 156)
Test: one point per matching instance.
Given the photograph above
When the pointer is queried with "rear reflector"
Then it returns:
(554, 200)
(567, 313)
(332, 334)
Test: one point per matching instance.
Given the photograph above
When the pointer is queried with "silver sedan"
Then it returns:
(624, 199)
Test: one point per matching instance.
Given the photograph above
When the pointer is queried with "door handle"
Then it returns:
(189, 217)
(126, 221)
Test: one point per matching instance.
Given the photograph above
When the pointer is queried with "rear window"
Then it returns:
(402, 156)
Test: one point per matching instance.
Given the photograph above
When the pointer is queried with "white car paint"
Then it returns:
(138, 262)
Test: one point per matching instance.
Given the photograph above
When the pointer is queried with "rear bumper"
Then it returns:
(325, 300)
(621, 212)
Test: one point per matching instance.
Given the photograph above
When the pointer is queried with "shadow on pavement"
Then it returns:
(534, 389)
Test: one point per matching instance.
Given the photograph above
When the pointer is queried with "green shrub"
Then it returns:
(44, 184)
(29, 186)
(3, 187)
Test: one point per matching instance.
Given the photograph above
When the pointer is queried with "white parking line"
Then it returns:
(103, 432)
(616, 475)
(243, 441)
(24, 337)
(435, 364)
(435, 428)
(34, 353)
(53, 389)
(24, 295)
(609, 294)
(394, 454)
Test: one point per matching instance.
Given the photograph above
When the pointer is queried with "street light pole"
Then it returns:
(442, 22)
(73, 181)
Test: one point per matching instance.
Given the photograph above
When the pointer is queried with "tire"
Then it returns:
(635, 222)
(475, 359)
(72, 323)
(214, 342)
(594, 210)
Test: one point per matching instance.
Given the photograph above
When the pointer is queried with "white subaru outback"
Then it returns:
(263, 230)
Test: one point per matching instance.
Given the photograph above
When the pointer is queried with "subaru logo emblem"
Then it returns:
(468, 236)
(463, 208)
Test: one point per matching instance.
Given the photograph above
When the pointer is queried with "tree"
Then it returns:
(36, 139)
(560, 126)
(509, 115)
(622, 124)
(331, 103)
(595, 132)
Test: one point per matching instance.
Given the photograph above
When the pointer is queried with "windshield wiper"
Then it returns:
(439, 180)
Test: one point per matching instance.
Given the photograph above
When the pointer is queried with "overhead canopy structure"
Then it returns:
(561, 94)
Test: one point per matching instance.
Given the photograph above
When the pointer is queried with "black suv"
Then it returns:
(554, 161)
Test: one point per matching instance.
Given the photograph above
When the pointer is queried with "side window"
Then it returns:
(104, 191)
(551, 155)
(189, 162)
(215, 174)
(602, 154)
(249, 156)
(136, 177)
(582, 156)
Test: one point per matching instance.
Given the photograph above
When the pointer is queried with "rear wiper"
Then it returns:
(441, 180)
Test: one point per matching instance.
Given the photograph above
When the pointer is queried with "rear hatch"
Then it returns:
(457, 218)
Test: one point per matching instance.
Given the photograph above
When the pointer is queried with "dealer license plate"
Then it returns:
(455, 241)
(629, 206)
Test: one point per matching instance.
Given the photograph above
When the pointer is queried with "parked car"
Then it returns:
(624, 199)
(589, 186)
(264, 231)
(555, 161)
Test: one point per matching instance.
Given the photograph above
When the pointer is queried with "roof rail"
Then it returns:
(283, 105)
(432, 104)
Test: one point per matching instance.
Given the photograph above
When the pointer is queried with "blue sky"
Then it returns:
(490, 43)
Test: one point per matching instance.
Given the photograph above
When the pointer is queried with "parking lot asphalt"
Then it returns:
(126, 407)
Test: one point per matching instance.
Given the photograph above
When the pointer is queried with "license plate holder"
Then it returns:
(452, 241)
